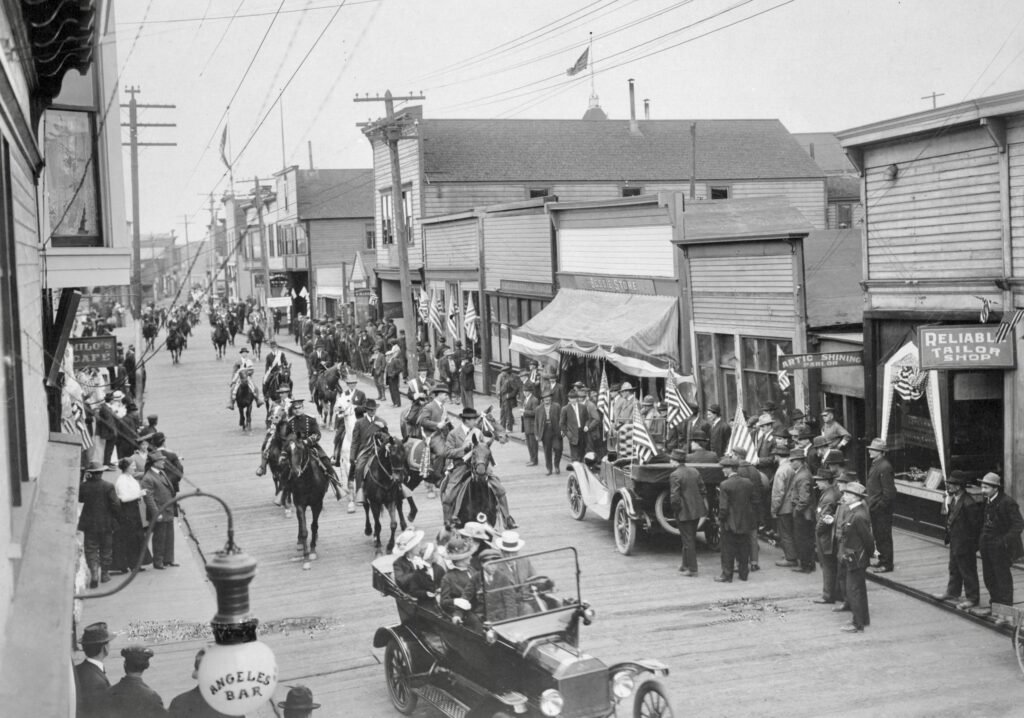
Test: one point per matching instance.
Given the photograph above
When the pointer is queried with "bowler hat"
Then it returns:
(299, 698)
(698, 435)
(469, 413)
(878, 445)
(856, 488)
(152, 418)
(371, 404)
(439, 389)
(678, 455)
(992, 479)
(957, 477)
(96, 634)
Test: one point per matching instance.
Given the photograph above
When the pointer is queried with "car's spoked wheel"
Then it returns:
(651, 701)
(577, 509)
(625, 530)
(396, 672)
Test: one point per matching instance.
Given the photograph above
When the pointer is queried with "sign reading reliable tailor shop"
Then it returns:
(971, 346)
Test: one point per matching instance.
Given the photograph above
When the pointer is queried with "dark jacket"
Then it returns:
(963, 525)
(416, 582)
(362, 432)
(718, 437)
(549, 419)
(191, 704)
(702, 456)
(160, 490)
(737, 501)
(881, 486)
(106, 422)
(803, 496)
(856, 544)
(687, 493)
(530, 404)
(132, 698)
(824, 533)
(90, 685)
(571, 428)
(1003, 524)
(101, 511)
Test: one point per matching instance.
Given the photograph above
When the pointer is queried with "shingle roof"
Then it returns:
(335, 194)
(576, 150)
(828, 153)
(840, 187)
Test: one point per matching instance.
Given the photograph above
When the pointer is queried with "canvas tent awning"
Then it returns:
(637, 333)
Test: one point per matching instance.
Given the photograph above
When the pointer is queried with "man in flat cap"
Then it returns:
(131, 697)
(803, 510)
(856, 546)
(881, 488)
(737, 515)
(829, 497)
(91, 681)
(1000, 539)
(964, 515)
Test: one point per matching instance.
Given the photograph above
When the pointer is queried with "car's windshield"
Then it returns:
(529, 584)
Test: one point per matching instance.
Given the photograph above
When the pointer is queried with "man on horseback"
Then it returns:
(433, 420)
(278, 422)
(305, 429)
(243, 370)
(362, 446)
(458, 446)
(351, 402)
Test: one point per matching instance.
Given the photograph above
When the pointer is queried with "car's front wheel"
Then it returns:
(625, 529)
(651, 701)
(396, 673)
(577, 507)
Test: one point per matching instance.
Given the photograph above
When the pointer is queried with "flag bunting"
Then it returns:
(1006, 327)
(469, 322)
(783, 374)
(643, 445)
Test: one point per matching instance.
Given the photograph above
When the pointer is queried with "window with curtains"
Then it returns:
(751, 375)
(503, 315)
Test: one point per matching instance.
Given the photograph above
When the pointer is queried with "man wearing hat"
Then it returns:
(529, 421)
(274, 362)
(507, 387)
(394, 365)
(803, 510)
(577, 423)
(242, 374)
(688, 497)
(298, 703)
(131, 697)
(764, 442)
(881, 488)
(964, 518)
(191, 704)
(737, 516)
(782, 509)
(101, 515)
(91, 680)
(305, 428)
(413, 577)
(106, 429)
(1000, 542)
(680, 436)
(719, 431)
(548, 422)
(432, 420)
(457, 445)
(834, 432)
(829, 497)
(459, 583)
(362, 447)
(623, 406)
(856, 546)
(159, 490)
(699, 452)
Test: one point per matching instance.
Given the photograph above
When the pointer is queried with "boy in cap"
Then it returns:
(91, 681)
(1000, 539)
(964, 516)
(131, 697)
(856, 546)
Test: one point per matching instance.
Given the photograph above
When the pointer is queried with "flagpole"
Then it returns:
(231, 165)
(591, 63)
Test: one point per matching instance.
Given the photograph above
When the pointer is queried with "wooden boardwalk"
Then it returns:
(755, 648)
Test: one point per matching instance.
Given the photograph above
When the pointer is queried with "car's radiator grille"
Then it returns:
(586, 694)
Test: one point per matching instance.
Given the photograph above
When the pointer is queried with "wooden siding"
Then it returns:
(517, 247)
(452, 245)
(938, 218)
(750, 295)
(808, 196)
(1015, 136)
(585, 192)
(335, 241)
(643, 251)
(409, 162)
(442, 199)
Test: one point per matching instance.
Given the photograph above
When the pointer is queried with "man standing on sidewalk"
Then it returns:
(881, 488)
(549, 429)
(964, 516)
(824, 533)
(855, 549)
(803, 511)
(1000, 539)
(782, 511)
(160, 490)
(101, 514)
(530, 404)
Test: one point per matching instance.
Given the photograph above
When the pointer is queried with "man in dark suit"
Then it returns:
(159, 490)
(548, 425)
(91, 680)
(856, 546)
(576, 425)
(881, 496)
(106, 428)
(530, 405)
(1000, 539)
(737, 515)
(699, 452)
(680, 436)
(688, 498)
(101, 514)
(362, 445)
(719, 431)
(824, 533)
(131, 697)
(803, 510)
(964, 517)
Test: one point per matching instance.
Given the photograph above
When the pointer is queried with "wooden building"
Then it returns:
(944, 235)
(842, 185)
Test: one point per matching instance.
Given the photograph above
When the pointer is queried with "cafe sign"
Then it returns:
(94, 352)
(970, 346)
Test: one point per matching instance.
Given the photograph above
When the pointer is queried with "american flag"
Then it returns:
(424, 306)
(741, 443)
(74, 423)
(1005, 328)
(643, 445)
(986, 309)
(435, 313)
(604, 403)
(470, 320)
(453, 321)
(783, 374)
(678, 410)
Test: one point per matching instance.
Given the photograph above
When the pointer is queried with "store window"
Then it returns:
(71, 180)
(388, 217)
(503, 315)
(631, 191)
(761, 374)
(719, 192)
(539, 192)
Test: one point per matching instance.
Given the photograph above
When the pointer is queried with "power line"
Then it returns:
(236, 15)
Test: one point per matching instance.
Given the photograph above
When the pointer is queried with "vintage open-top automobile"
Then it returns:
(521, 658)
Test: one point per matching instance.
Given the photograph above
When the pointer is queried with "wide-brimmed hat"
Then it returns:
(96, 634)
(957, 477)
(824, 474)
(626, 386)
(406, 540)
(798, 453)
(370, 404)
(856, 488)
(833, 457)
(508, 541)
(299, 698)
(992, 479)
(819, 442)
(678, 455)
(95, 467)
(459, 549)
(698, 435)
(765, 420)
(439, 389)
(475, 530)
(877, 445)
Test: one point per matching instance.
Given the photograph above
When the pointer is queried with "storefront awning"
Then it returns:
(637, 333)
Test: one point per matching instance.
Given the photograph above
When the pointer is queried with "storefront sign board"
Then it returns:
(622, 285)
(820, 361)
(969, 346)
(94, 352)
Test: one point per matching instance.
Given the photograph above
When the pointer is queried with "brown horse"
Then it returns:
(382, 487)
(307, 483)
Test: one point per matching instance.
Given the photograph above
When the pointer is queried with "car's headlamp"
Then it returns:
(623, 684)
(551, 702)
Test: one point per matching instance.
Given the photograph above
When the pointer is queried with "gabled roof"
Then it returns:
(742, 219)
(578, 150)
(335, 194)
(828, 153)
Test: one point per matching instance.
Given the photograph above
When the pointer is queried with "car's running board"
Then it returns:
(443, 701)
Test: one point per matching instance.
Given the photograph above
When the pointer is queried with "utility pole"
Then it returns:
(264, 261)
(188, 263)
(391, 130)
(133, 125)
(933, 97)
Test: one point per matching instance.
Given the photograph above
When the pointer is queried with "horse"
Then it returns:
(308, 486)
(276, 458)
(382, 487)
(244, 399)
(256, 339)
(279, 377)
(232, 329)
(175, 343)
(220, 339)
(325, 392)
(149, 333)
(465, 500)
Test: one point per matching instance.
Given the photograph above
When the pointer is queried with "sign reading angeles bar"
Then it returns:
(969, 346)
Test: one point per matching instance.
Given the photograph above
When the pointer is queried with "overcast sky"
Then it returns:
(817, 65)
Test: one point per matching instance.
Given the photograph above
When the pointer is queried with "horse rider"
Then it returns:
(305, 429)
(418, 397)
(243, 370)
(433, 420)
(367, 426)
(278, 422)
(458, 445)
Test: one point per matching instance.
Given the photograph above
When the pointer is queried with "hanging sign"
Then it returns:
(970, 346)
(94, 352)
(788, 362)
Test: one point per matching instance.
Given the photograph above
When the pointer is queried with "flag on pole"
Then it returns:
(435, 313)
(604, 403)
(470, 320)
(424, 306)
(741, 443)
(643, 445)
(580, 65)
(74, 423)
(1006, 328)
(986, 310)
(452, 315)
(784, 381)
(678, 410)
(223, 147)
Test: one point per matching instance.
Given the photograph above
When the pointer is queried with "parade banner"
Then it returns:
(970, 346)
(94, 352)
(789, 362)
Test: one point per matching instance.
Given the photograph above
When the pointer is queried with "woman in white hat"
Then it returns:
(412, 575)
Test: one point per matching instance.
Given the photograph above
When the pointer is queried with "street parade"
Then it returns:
(602, 359)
